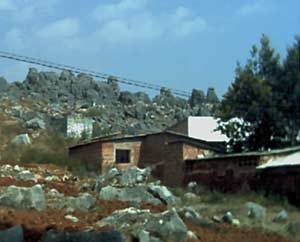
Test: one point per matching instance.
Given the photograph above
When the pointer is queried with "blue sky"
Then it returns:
(182, 44)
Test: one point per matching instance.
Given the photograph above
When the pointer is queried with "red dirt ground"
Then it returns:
(36, 223)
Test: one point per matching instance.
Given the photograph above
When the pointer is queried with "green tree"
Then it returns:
(253, 98)
(291, 96)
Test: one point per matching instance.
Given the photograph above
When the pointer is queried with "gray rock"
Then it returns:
(130, 194)
(164, 194)
(211, 96)
(3, 84)
(169, 225)
(35, 123)
(166, 226)
(90, 236)
(22, 139)
(191, 197)
(191, 214)
(133, 175)
(21, 197)
(282, 216)
(26, 176)
(72, 218)
(197, 98)
(84, 202)
(228, 217)
(256, 211)
(14, 234)
(53, 193)
(106, 179)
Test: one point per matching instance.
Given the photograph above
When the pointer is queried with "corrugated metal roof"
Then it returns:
(289, 160)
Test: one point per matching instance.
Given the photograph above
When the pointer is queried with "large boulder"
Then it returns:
(26, 176)
(3, 84)
(35, 123)
(191, 214)
(256, 211)
(166, 226)
(282, 216)
(163, 194)
(133, 175)
(14, 234)
(23, 197)
(84, 202)
(90, 236)
(197, 98)
(129, 194)
(211, 96)
(22, 139)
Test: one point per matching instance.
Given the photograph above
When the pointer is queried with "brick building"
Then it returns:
(233, 171)
(164, 151)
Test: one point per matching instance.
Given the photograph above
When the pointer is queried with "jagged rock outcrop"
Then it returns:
(46, 96)
(3, 84)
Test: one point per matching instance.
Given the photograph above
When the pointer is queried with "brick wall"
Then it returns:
(109, 153)
(227, 174)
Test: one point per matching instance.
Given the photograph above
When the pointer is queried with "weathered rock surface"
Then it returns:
(22, 139)
(91, 236)
(14, 234)
(256, 211)
(166, 226)
(131, 194)
(24, 198)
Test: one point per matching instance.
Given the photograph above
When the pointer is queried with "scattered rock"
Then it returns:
(282, 216)
(72, 218)
(90, 236)
(84, 202)
(163, 194)
(21, 197)
(166, 226)
(129, 194)
(14, 234)
(26, 176)
(191, 214)
(35, 123)
(22, 139)
(54, 193)
(191, 197)
(133, 175)
(256, 211)
(228, 218)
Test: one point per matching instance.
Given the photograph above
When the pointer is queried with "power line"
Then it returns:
(91, 73)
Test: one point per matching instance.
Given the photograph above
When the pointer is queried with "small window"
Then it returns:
(122, 156)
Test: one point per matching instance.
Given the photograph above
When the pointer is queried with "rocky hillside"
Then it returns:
(49, 204)
(44, 96)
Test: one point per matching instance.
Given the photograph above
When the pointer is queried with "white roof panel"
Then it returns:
(204, 128)
(289, 160)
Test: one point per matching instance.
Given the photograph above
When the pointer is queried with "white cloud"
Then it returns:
(251, 8)
(13, 39)
(120, 10)
(58, 30)
(27, 10)
(131, 20)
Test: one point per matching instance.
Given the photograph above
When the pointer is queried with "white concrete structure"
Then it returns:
(204, 128)
(289, 160)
